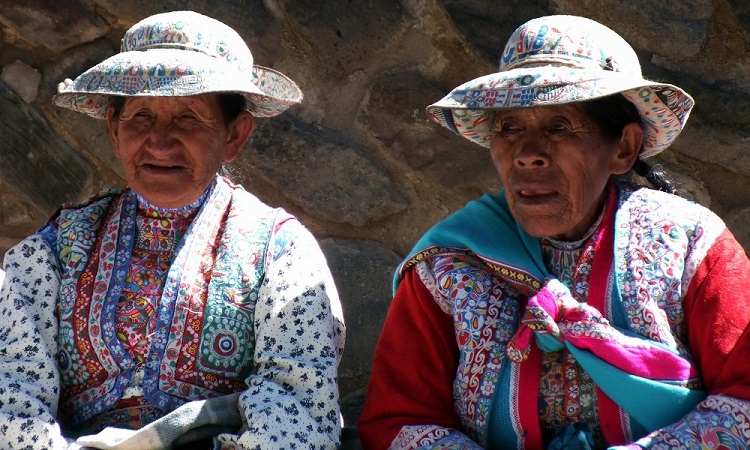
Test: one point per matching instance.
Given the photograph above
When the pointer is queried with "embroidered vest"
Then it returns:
(203, 343)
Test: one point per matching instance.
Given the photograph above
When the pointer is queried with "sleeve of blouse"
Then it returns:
(717, 314)
(409, 401)
(292, 396)
(29, 386)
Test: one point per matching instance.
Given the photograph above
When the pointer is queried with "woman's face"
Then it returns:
(171, 147)
(554, 163)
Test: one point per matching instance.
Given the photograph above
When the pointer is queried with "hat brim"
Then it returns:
(176, 73)
(663, 107)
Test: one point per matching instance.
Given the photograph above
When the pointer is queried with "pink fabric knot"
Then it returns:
(552, 311)
(543, 310)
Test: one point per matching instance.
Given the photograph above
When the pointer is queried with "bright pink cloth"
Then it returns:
(555, 312)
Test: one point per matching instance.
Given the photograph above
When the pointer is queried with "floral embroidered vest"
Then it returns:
(203, 342)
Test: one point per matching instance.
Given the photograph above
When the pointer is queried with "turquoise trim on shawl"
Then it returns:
(500, 433)
(467, 230)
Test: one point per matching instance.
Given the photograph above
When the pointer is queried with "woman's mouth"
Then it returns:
(535, 196)
(536, 192)
(161, 168)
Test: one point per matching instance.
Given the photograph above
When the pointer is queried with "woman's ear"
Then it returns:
(112, 128)
(628, 149)
(239, 132)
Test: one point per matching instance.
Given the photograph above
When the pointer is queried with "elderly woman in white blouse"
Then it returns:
(180, 310)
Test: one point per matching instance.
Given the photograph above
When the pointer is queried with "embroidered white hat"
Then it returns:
(179, 53)
(560, 59)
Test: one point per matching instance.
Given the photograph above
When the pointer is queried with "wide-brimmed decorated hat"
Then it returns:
(176, 54)
(561, 59)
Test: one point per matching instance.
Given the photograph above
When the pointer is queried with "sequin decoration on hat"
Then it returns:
(175, 54)
(554, 60)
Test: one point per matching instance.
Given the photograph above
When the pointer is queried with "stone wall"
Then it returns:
(359, 162)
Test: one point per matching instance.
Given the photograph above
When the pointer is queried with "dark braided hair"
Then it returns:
(653, 175)
(612, 113)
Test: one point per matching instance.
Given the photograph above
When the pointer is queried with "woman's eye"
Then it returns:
(139, 116)
(187, 117)
(143, 117)
(557, 127)
(505, 127)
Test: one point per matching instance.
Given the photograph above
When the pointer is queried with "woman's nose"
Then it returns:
(532, 154)
(160, 134)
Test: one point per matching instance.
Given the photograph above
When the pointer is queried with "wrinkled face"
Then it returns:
(554, 163)
(172, 147)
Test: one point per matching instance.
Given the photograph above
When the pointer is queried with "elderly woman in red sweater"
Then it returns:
(572, 310)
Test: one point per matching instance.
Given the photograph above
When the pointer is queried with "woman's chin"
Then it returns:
(542, 230)
(550, 225)
(174, 191)
(168, 197)
(540, 219)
